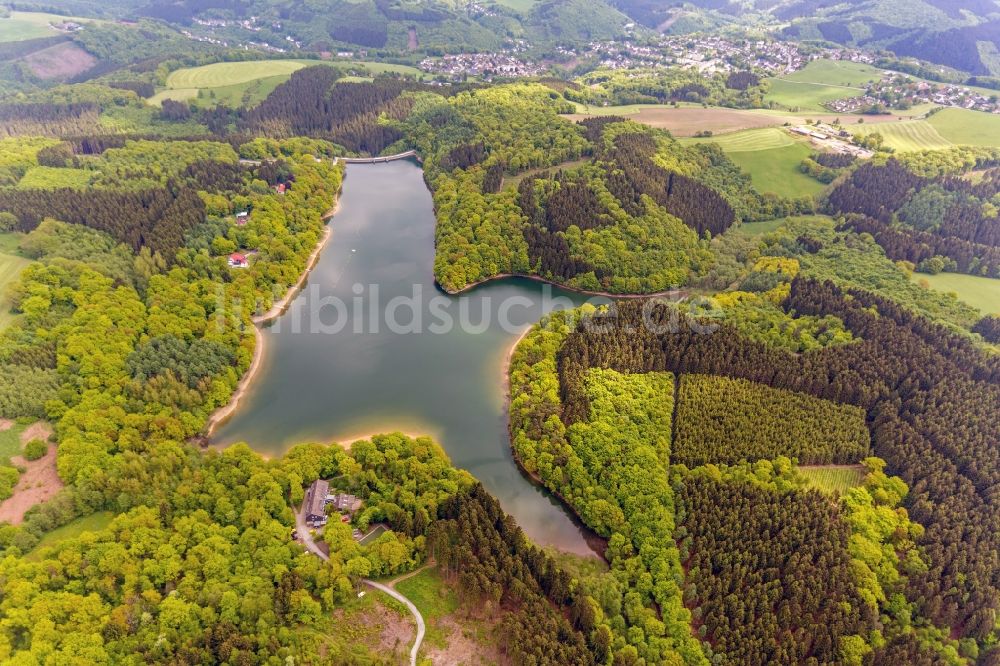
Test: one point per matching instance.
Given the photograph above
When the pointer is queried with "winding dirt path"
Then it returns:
(305, 538)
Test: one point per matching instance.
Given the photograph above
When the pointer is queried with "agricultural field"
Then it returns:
(750, 140)
(32, 25)
(221, 74)
(833, 479)
(963, 127)
(95, 522)
(724, 420)
(804, 96)
(906, 136)
(232, 83)
(982, 293)
(523, 6)
(821, 82)
(836, 73)
(772, 158)
(688, 120)
(11, 265)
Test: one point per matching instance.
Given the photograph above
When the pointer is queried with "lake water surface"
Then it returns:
(334, 370)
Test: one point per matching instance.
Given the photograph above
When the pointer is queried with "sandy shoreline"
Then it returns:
(679, 293)
(506, 371)
(219, 416)
(281, 306)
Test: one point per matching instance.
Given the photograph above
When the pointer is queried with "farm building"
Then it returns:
(237, 260)
(316, 503)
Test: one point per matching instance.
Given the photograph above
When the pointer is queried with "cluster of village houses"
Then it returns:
(486, 65)
(894, 90)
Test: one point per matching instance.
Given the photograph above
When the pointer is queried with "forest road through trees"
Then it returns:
(305, 538)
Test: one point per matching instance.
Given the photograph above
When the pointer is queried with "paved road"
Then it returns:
(306, 539)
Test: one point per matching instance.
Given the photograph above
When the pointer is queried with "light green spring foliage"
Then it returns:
(652, 86)
(725, 420)
(18, 155)
(855, 261)
(479, 234)
(199, 564)
(144, 164)
(614, 472)
(52, 178)
(96, 306)
(65, 244)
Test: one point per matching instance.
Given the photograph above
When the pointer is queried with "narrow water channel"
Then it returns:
(347, 360)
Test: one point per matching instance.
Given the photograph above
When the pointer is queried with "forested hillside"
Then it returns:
(936, 221)
(783, 444)
(605, 205)
(920, 387)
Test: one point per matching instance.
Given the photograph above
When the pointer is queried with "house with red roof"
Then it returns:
(237, 260)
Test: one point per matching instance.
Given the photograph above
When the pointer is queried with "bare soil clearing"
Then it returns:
(39, 430)
(62, 61)
(462, 649)
(38, 483)
(397, 631)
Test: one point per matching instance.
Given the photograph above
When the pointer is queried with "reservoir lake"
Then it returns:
(347, 360)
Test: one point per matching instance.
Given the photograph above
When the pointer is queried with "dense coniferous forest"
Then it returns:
(921, 387)
(935, 223)
(747, 548)
(722, 420)
(484, 551)
(312, 103)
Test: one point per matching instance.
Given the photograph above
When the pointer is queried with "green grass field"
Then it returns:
(907, 135)
(32, 25)
(11, 266)
(749, 140)
(523, 6)
(836, 73)
(10, 443)
(971, 128)
(833, 479)
(803, 96)
(221, 74)
(777, 170)
(760, 228)
(92, 523)
(772, 157)
(982, 293)
(429, 593)
(621, 110)
(232, 83)
(821, 82)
